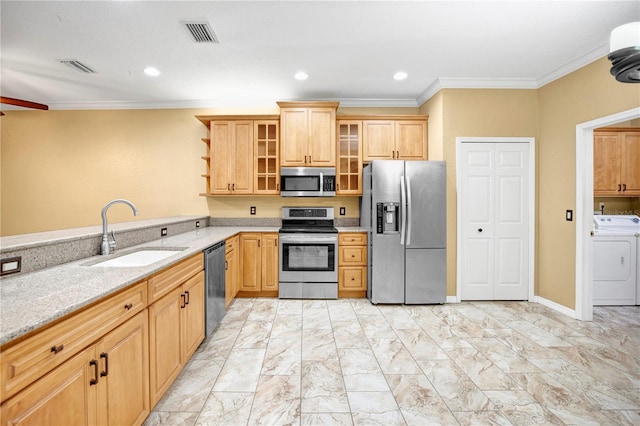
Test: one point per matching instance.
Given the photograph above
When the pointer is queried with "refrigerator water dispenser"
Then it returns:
(387, 218)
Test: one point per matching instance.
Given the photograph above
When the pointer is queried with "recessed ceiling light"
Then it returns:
(301, 75)
(152, 71)
(400, 75)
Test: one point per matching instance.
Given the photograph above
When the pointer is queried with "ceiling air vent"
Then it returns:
(77, 65)
(201, 32)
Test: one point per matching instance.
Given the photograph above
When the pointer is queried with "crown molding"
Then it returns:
(576, 64)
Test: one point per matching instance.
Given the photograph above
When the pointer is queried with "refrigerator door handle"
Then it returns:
(408, 211)
(403, 210)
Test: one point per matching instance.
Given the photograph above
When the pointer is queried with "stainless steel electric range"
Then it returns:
(308, 254)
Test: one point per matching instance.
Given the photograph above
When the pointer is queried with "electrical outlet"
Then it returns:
(11, 265)
(197, 224)
(343, 211)
(253, 209)
(163, 232)
(569, 215)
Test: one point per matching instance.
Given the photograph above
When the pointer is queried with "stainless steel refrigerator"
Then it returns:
(403, 206)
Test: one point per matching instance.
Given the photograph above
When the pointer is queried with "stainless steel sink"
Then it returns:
(140, 257)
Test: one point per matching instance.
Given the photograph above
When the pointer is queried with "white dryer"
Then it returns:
(616, 260)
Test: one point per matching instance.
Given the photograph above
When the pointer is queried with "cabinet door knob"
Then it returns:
(128, 306)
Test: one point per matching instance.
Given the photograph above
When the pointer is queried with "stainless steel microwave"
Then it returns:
(307, 181)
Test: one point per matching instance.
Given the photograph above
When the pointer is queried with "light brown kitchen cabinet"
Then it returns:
(267, 158)
(308, 134)
(106, 383)
(352, 264)
(232, 247)
(259, 263)
(394, 139)
(349, 157)
(242, 154)
(616, 161)
(33, 357)
(176, 322)
(232, 158)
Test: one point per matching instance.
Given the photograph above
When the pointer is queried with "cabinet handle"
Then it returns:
(228, 187)
(226, 265)
(258, 243)
(277, 187)
(305, 159)
(624, 187)
(393, 154)
(106, 364)
(183, 301)
(619, 187)
(95, 371)
(310, 160)
(233, 186)
(397, 154)
(187, 294)
(479, 229)
(275, 243)
(56, 349)
(128, 306)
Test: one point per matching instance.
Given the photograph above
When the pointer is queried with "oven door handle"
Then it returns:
(301, 238)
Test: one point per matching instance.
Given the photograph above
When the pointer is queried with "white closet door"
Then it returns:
(495, 247)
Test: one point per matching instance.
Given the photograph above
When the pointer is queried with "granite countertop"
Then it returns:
(33, 300)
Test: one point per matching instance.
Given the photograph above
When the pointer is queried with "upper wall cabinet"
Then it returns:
(242, 155)
(616, 162)
(307, 133)
(349, 157)
(395, 139)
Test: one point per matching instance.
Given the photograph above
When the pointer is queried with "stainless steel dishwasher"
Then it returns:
(214, 273)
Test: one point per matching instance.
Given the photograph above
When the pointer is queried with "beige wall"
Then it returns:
(59, 168)
(473, 113)
(586, 94)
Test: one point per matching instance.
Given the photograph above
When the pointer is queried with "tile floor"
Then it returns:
(343, 362)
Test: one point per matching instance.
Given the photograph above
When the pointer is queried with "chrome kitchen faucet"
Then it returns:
(107, 247)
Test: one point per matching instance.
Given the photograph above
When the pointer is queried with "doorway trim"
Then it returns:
(531, 142)
(584, 209)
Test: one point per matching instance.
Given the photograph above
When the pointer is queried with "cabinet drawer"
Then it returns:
(32, 358)
(353, 278)
(163, 282)
(353, 255)
(352, 239)
(231, 244)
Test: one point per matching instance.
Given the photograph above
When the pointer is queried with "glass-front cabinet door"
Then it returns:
(267, 166)
(349, 164)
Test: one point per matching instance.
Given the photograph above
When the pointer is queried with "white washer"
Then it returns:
(616, 260)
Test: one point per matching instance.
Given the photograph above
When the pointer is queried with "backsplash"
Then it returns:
(47, 249)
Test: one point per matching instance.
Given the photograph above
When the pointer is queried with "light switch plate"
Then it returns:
(569, 215)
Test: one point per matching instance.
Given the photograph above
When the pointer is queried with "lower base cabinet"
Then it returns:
(176, 328)
(107, 383)
(352, 265)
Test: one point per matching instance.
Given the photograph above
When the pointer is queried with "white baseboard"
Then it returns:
(556, 306)
(452, 299)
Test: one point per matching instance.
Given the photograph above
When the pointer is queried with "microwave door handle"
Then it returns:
(409, 217)
(321, 183)
(403, 210)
